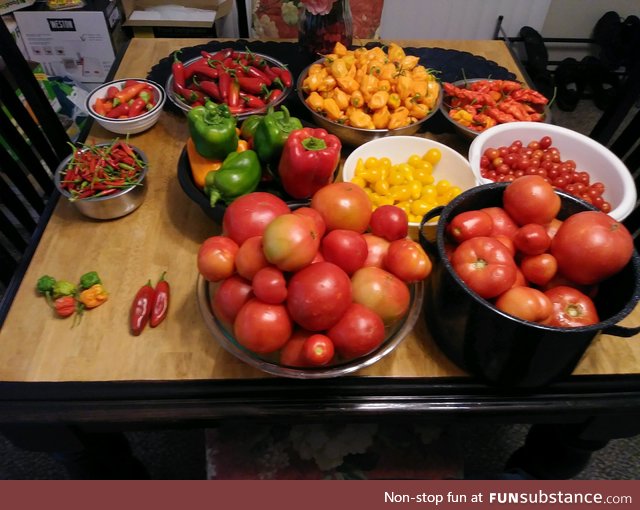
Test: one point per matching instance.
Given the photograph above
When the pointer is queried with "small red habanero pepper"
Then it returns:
(309, 158)
(140, 312)
(160, 304)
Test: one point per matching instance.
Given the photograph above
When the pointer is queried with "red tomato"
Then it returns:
(216, 258)
(532, 239)
(382, 292)
(343, 205)
(526, 303)
(389, 222)
(407, 260)
(318, 295)
(591, 246)
(345, 248)
(250, 257)
(531, 199)
(261, 327)
(468, 224)
(377, 248)
(485, 265)
(291, 353)
(508, 242)
(249, 215)
(539, 269)
(571, 308)
(230, 296)
(503, 225)
(290, 242)
(269, 285)
(521, 281)
(314, 215)
(358, 332)
(318, 350)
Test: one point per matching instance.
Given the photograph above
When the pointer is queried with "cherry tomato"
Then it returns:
(539, 269)
(358, 332)
(531, 199)
(345, 248)
(248, 215)
(261, 327)
(526, 303)
(468, 224)
(230, 296)
(591, 246)
(407, 260)
(290, 242)
(318, 295)
(318, 350)
(377, 248)
(269, 285)
(250, 257)
(485, 265)
(343, 205)
(571, 308)
(532, 239)
(216, 258)
(389, 222)
(382, 292)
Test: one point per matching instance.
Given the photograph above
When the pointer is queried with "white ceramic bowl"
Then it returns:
(127, 126)
(452, 166)
(590, 156)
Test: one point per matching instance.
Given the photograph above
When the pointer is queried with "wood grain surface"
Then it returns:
(164, 235)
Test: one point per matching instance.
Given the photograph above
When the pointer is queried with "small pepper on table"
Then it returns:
(272, 132)
(309, 158)
(213, 130)
(239, 174)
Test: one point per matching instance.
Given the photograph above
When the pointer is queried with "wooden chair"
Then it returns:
(33, 141)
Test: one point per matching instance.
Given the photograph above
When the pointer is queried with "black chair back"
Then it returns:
(33, 141)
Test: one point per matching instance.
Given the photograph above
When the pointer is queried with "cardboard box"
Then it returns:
(7, 6)
(74, 43)
(164, 18)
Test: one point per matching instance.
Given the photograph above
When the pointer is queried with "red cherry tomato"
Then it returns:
(389, 222)
(269, 285)
(531, 199)
(468, 224)
(539, 269)
(532, 239)
(318, 350)
(571, 308)
(526, 303)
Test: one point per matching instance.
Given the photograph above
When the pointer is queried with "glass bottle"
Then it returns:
(318, 33)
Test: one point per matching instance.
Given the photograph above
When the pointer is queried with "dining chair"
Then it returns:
(33, 142)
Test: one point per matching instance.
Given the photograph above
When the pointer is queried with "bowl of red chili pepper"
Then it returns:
(127, 106)
(248, 83)
(103, 181)
(475, 105)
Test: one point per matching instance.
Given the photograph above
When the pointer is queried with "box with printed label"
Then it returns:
(74, 43)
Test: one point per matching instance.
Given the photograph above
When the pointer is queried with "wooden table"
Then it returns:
(97, 372)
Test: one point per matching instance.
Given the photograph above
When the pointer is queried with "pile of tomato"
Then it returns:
(316, 285)
(531, 264)
(540, 157)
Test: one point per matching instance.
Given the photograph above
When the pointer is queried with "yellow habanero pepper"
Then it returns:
(409, 62)
(360, 119)
(388, 71)
(394, 101)
(378, 100)
(331, 109)
(381, 117)
(356, 99)
(348, 83)
(341, 98)
(315, 101)
(340, 49)
(339, 68)
(399, 118)
(93, 296)
(396, 53)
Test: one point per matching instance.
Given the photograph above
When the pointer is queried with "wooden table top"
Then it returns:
(164, 235)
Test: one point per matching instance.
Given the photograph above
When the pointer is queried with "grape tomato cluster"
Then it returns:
(540, 157)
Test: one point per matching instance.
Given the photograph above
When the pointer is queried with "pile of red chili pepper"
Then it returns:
(484, 103)
(245, 81)
(99, 170)
(135, 98)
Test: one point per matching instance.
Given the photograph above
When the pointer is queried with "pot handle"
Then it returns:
(621, 331)
(424, 242)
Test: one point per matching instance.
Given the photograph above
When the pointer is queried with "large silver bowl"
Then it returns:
(175, 99)
(111, 206)
(269, 364)
(357, 136)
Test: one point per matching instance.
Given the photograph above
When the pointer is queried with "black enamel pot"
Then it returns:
(500, 348)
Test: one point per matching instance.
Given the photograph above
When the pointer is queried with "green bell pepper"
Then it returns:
(272, 132)
(239, 174)
(248, 127)
(213, 130)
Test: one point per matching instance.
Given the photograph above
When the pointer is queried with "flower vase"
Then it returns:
(319, 33)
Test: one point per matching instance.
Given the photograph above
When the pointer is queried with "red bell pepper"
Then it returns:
(309, 158)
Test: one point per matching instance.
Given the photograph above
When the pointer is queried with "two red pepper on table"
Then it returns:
(150, 305)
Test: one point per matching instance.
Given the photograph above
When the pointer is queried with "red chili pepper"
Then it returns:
(250, 85)
(220, 55)
(202, 68)
(284, 75)
(177, 69)
(251, 101)
(121, 110)
(273, 95)
(137, 107)
(233, 98)
(99, 107)
(160, 304)
(129, 83)
(188, 94)
(266, 69)
(130, 92)
(224, 82)
(254, 72)
(210, 88)
(140, 312)
(112, 91)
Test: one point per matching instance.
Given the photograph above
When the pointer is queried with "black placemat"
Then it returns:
(451, 65)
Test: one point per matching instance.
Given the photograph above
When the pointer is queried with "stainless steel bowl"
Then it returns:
(357, 136)
(111, 206)
(269, 364)
(175, 99)
(467, 133)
